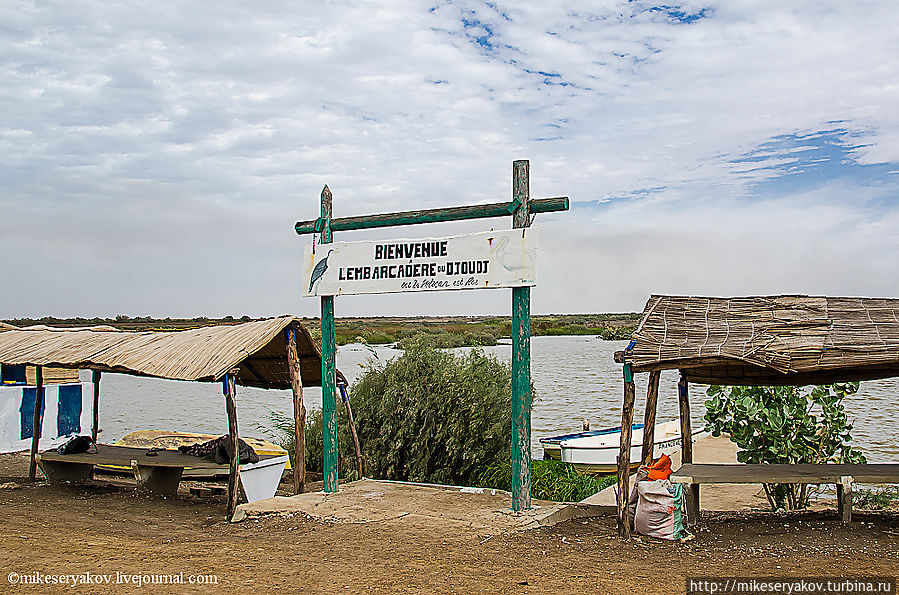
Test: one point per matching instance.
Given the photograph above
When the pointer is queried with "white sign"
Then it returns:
(505, 258)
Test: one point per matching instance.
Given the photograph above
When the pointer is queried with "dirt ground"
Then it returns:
(106, 528)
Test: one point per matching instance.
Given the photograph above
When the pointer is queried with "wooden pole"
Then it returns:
(521, 209)
(624, 452)
(352, 422)
(230, 390)
(844, 498)
(502, 209)
(36, 421)
(299, 413)
(686, 431)
(649, 417)
(521, 355)
(95, 381)
(329, 367)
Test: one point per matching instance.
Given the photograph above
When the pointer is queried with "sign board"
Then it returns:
(494, 259)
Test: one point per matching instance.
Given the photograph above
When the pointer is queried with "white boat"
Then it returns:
(596, 451)
(172, 440)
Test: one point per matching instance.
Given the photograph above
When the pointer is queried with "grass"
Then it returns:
(876, 499)
(550, 480)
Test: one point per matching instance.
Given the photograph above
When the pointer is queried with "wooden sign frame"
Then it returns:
(521, 208)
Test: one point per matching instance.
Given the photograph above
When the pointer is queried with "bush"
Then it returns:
(780, 424)
(430, 416)
(445, 340)
(425, 416)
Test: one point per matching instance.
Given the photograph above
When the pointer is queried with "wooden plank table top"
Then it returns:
(798, 473)
(108, 454)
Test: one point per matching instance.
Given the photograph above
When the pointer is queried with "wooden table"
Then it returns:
(840, 475)
(161, 472)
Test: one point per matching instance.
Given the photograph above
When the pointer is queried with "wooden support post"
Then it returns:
(624, 452)
(686, 431)
(299, 413)
(352, 422)
(95, 381)
(649, 417)
(521, 355)
(329, 367)
(844, 498)
(230, 390)
(36, 421)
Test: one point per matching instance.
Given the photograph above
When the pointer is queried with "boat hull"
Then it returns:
(172, 440)
(598, 452)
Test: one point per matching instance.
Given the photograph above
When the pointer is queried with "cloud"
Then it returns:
(155, 156)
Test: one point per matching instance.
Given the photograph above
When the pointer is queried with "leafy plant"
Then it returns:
(784, 424)
(550, 480)
(430, 416)
(424, 416)
(876, 499)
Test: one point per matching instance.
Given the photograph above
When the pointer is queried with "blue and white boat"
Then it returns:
(596, 451)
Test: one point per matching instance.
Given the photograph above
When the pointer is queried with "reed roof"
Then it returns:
(768, 340)
(257, 349)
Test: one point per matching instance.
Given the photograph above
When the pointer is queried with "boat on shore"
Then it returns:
(596, 451)
(172, 440)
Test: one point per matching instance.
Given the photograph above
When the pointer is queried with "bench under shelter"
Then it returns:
(274, 353)
(782, 340)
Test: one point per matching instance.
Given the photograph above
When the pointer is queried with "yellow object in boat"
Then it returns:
(172, 440)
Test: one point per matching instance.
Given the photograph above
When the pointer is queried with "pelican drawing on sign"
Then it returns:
(319, 270)
(511, 260)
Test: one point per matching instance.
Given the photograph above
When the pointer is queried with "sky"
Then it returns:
(155, 156)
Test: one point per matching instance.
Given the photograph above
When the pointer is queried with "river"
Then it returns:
(575, 378)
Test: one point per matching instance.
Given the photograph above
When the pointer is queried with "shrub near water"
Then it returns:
(432, 417)
(424, 416)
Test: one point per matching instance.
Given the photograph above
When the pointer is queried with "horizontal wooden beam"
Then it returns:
(500, 209)
(785, 473)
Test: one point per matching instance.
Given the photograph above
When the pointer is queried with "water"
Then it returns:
(575, 378)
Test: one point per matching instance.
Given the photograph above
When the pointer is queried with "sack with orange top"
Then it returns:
(660, 510)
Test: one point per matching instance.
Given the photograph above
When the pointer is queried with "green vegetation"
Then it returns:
(432, 417)
(425, 416)
(784, 424)
(481, 331)
(876, 499)
(550, 480)
(135, 323)
(449, 331)
(444, 340)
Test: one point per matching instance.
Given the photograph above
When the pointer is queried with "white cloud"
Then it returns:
(160, 153)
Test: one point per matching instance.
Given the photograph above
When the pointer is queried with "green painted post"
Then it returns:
(500, 209)
(329, 367)
(521, 208)
(521, 355)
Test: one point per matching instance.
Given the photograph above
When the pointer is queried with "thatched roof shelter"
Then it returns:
(274, 353)
(790, 340)
(206, 354)
(768, 340)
